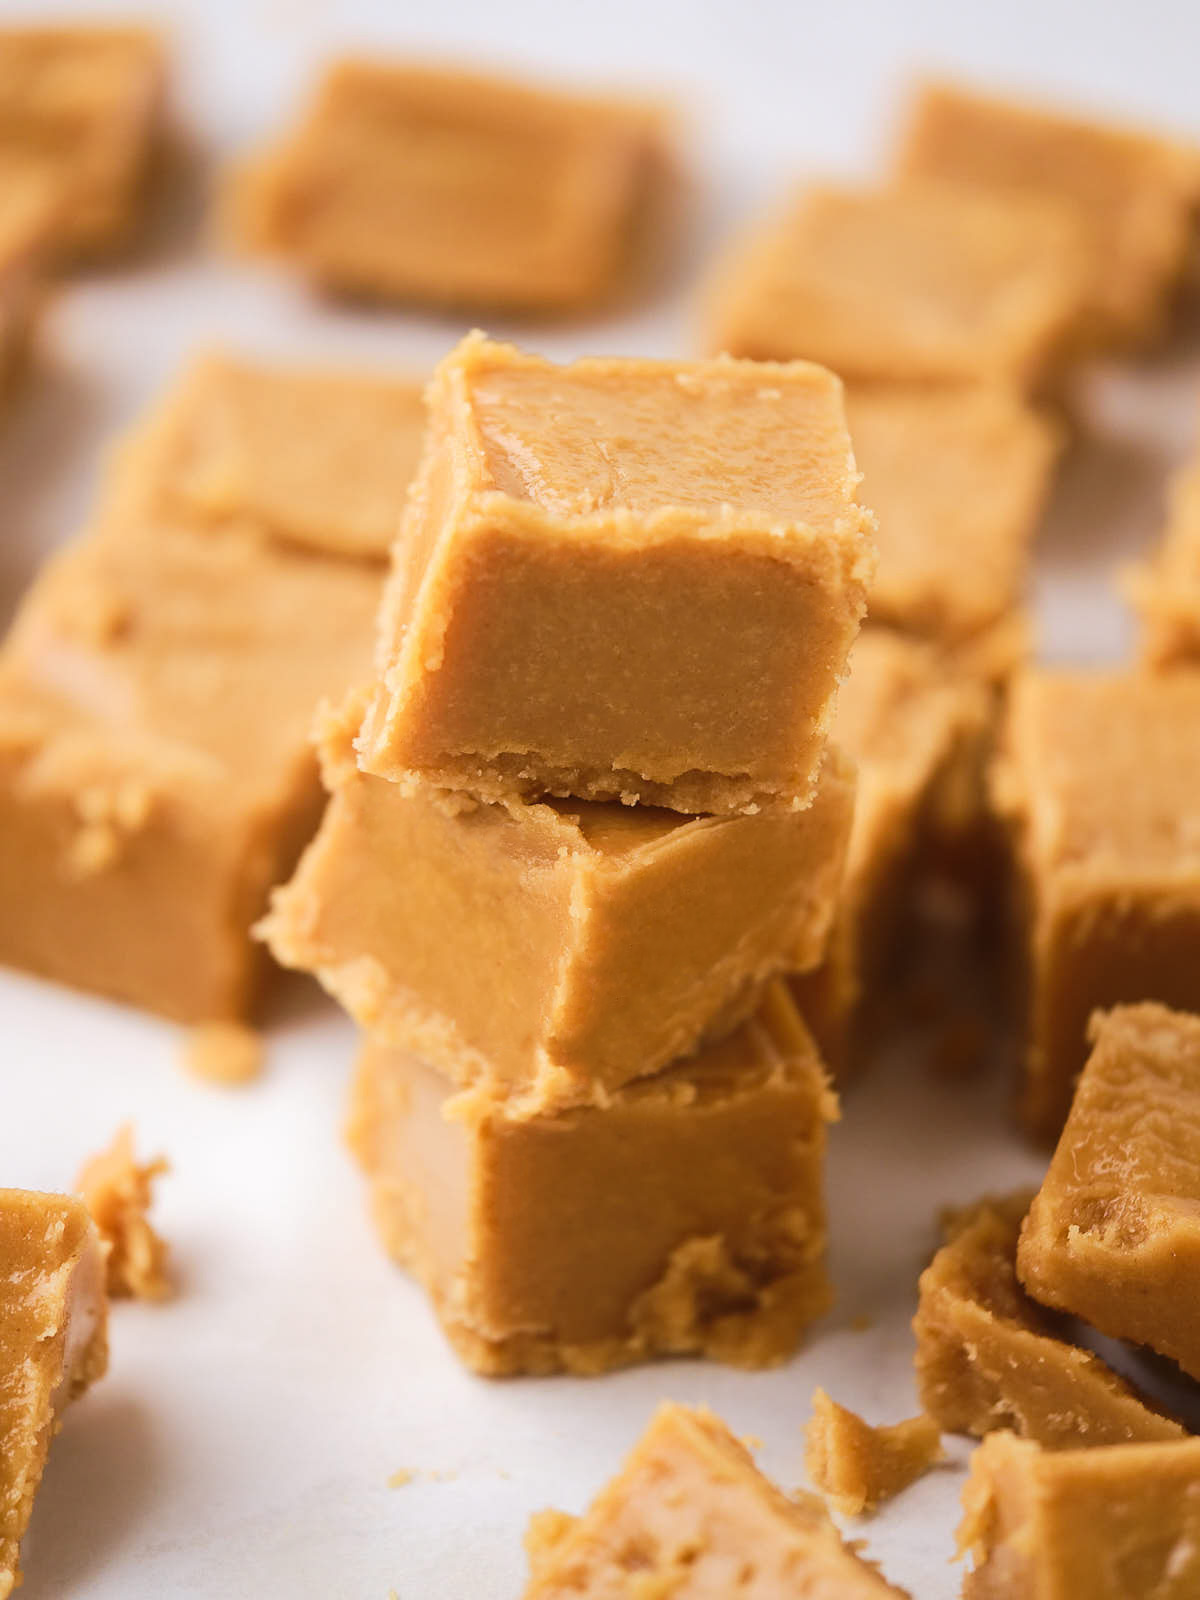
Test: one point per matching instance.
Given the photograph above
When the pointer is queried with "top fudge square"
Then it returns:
(622, 579)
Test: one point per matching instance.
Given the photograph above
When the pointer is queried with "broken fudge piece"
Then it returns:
(1132, 192)
(1120, 1523)
(1165, 590)
(913, 282)
(28, 208)
(82, 108)
(1113, 1234)
(412, 182)
(988, 1357)
(53, 1342)
(554, 950)
(690, 1516)
(118, 1189)
(652, 599)
(685, 1216)
(1099, 782)
(859, 1466)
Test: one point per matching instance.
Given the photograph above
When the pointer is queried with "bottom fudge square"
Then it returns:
(1113, 1235)
(684, 1217)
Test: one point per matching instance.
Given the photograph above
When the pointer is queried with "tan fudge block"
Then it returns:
(684, 1217)
(1107, 1524)
(412, 183)
(29, 208)
(53, 1343)
(652, 598)
(554, 950)
(858, 1466)
(156, 774)
(917, 281)
(1131, 192)
(84, 107)
(957, 476)
(1165, 591)
(1099, 780)
(989, 1358)
(907, 718)
(691, 1517)
(1113, 1234)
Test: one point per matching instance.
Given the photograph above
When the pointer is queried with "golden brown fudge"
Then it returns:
(156, 774)
(989, 1358)
(118, 1191)
(914, 282)
(858, 1466)
(28, 210)
(1100, 783)
(907, 720)
(685, 1217)
(1121, 1523)
(1131, 192)
(1113, 1235)
(53, 1343)
(690, 1517)
(651, 598)
(84, 107)
(957, 476)
(1165, 591)
(553, 950)
(408, 182)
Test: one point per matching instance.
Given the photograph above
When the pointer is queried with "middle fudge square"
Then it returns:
(553, 951)
(631, 580)
(686, 1216)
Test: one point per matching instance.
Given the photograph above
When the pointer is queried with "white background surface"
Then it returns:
(242, 1444)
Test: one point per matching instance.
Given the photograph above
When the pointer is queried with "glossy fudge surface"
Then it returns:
(651, 598)
(685, 1217)
(1113, 1234)
(557, 950)
(1099, 780)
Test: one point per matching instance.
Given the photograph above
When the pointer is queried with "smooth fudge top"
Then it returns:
(53, 79)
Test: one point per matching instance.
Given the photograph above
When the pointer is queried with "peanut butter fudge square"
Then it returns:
(411, 182)
(917, 281)
(1121, 1523)
(684, 1217)
(83, 106)
(156, 697)
(989, 1357)
(691, 1517)
(632, 580)
(1113, 1235)
(1099, 781)
(1132, 192)
(553, 950)
(1165, 591)
(957, 476)
(53, 1343)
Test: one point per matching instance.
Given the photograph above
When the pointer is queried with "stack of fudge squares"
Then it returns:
(583, 822)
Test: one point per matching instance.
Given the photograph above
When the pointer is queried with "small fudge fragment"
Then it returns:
(407, 182)
(156, 698)
(1132, 192)
(28, 208)
(691, 1517)
(82, 107)
(1121, 1523)
(557, 950)
(1099, 782)
(227, 1053)
(1113, 1235)
(686, 1216)
(53, 1343)
(1165, 591)
(989, 1358)
(651, 597)
(957, 476)
(918, 281)
(118, 1191)
(907, 719)
(859, 1466)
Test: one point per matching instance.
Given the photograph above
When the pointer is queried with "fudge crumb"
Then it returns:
(224, 1052)
(118, 1192)
(400, 1477)
(858, 1466)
